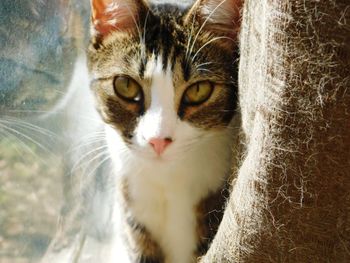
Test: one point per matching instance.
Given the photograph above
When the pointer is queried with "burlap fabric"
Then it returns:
(291, 199)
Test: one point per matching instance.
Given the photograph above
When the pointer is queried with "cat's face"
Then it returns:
(164, 77)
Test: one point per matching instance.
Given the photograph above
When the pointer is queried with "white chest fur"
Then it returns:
(165, 190)
(165, 193)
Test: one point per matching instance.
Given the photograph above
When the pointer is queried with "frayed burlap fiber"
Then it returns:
(291, 198)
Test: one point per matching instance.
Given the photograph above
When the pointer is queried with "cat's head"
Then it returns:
(164, 76)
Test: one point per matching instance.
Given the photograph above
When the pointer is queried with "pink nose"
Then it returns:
(159, 144)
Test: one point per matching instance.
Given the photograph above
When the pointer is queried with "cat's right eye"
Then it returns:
(198, 93)
(127, 89)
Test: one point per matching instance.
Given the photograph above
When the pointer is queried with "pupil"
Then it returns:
(127, 83)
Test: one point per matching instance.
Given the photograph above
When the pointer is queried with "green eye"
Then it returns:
(198, 93)
(127, 89)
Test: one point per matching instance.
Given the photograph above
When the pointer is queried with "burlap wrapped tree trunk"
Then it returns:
(291, 199)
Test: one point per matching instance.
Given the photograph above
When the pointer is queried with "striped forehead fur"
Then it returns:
(162, 30)
(167, 37)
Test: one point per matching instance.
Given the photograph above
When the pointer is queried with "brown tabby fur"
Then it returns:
(167, 33)
(170, 33)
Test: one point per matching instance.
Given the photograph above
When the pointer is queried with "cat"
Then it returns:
(165, 83)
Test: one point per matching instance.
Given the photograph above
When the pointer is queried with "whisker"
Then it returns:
(98, 120)
(27, 137)
(29, 111)
(30, 126)
(87, 177)
(209, 42)
(189, 41)
(95, 134)
(206, 63)
(87, 142)
(205, 70)
(83, 146)
(78, 163)
(23, 144)
(143, 46)
(89, 139)
(98, 165)
(203, 24)
(91, 134)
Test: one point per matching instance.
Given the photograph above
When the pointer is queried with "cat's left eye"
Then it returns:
(198, 93)
(127, 89)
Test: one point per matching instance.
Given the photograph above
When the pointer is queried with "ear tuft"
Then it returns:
(220, 16)
(112, 15)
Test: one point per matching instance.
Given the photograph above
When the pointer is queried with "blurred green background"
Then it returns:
(40, 43)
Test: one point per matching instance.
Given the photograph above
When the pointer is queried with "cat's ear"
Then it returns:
(220, 17)
(112, 15)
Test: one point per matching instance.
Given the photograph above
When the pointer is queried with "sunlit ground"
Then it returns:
(30, 187)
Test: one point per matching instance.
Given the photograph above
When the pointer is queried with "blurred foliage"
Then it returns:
(39, 45)
(30, 188)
